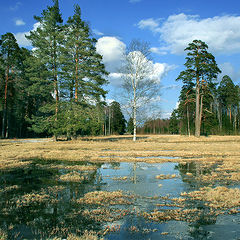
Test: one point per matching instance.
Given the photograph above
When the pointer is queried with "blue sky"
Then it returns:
(167, 25)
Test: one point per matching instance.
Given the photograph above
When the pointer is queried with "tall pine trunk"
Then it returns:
(57, 96)
(4, 119)
(188, 122)
(197, 116)
(219, 110)
(76, 78)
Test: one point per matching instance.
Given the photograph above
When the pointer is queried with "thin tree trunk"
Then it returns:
(76, 79)
(230, 114)
(189, 134)
(57, 95)
(55, 77)
(3, 120)
(201, 110)
(235, 121)
(5, 104)
(105, 122)
(7, 128)
(134, 115)
(220, 117)
(197, 116)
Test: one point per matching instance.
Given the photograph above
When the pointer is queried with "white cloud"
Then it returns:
(161, 70)
(221, 33)
(109, 101)
(112, 50)
(166, 115)
(115, 79)
(21, 36)
(158, 50)
(19, 22)
(228, 69)
(15, 7)
(177, 105)
(98, 33)
(150, 23)
(21, 39)
(171, 87)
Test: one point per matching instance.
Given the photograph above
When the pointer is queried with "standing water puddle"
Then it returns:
(50, 199)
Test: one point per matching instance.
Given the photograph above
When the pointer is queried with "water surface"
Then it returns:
(36, 204)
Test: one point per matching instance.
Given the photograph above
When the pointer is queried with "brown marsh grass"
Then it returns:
(157, 148)
(105, 198)
(207, 152)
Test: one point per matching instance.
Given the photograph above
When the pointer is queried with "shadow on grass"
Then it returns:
(111, 139)
(34, 204)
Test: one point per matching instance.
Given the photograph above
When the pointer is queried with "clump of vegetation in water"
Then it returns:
(72, 177)
(102, 214)
(125, 178)
(219, 197)
(74, 167)
(43, 196)
(88, 235)
(168, 176)
(189, 215)
(105, 197)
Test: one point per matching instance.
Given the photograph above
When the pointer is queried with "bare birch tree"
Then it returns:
(140, 86)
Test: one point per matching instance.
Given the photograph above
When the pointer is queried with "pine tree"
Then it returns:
(186, 107)
(82, 75)
(130, 126)
(174, 122)
(118, 120)
(9, 52)
(40, 102)
(47, 40)
(228, 98)
(82, 67)
(201, 70)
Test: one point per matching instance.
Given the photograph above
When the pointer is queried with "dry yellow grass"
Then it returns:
(88, 235)
(105, 198)
(189, 215)
(148, 149)
(219, 197)
(163, 176)
(72, 177)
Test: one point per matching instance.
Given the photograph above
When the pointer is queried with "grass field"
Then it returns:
(158, 148)
(212, 162)
(121, 149)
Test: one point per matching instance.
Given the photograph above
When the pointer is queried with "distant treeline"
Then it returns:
(220, 114)
(155, 126)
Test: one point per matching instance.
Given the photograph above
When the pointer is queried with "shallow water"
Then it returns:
(56, 213)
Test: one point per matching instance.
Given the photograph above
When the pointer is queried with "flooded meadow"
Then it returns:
(159, 195)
